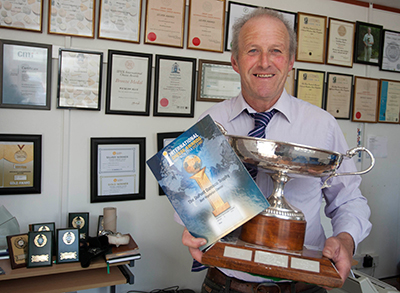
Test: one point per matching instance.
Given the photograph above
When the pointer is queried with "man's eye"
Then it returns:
(277, 51)
(253, 51)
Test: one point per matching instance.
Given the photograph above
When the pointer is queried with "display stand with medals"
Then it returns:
(271, 244)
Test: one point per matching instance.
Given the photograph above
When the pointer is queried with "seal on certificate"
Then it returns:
(392, 52)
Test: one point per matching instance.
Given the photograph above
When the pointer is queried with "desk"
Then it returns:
(62, 277)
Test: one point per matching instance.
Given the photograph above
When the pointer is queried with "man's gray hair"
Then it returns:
(260, 12)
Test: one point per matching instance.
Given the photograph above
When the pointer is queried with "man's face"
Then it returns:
(263, 60)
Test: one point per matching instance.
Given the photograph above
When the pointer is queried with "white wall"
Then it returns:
(165, 261)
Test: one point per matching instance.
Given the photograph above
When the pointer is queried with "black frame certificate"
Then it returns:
(310, 86)
(22, 15)
(341, 42)
(128, 83)
(25, 77)
(217, 81)
(117, 169)
(311, 38)
(338, 98)
(390, 60)
(389, 101)
(174, 86)
(365, 99)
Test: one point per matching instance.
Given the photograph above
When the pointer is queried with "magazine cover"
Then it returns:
(206, 182)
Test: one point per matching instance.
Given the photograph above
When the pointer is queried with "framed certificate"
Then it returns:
(117, 169)
(120, 20)
(340, 50)
(18, 250)
(365, 100)
(163, 139)
(368, 43)
(25, 77)
(290, 84)
(310, 86)
(22, 15)
(20, 163)
(389, 101)
(174, 86)
(390, 52)
(165, 22)
(339, 94)
(311, 38)
(206, 25)
(217, 81)
(79, 79)
(72, 18)
(128, 83)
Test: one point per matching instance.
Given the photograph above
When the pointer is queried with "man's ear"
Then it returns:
(234, 63)
(291, 64)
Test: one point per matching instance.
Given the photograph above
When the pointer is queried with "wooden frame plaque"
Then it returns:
(365, 100)
(310, 86)
(18, 250)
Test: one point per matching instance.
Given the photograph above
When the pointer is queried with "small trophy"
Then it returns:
(271, 244)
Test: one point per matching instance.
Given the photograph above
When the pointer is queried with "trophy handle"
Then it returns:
(349, 154)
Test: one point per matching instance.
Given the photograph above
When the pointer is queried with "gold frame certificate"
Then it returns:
(206, 25)
(365, 100)
(310, 86)
(120, 20)
(311, 38)
(389, 101)
(341, 42)
(165, 22)
(22, 15)
(338, 95)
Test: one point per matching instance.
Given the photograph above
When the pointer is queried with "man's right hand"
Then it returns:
(193, 244)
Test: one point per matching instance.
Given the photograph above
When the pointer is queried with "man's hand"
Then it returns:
(193, 244)
(340, 250)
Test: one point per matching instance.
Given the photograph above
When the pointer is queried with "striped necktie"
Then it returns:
(261, 121)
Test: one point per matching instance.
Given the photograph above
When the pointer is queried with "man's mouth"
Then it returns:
(264, 75)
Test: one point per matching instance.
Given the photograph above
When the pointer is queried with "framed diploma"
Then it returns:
(25, 77)
(72, 18)
(217, 81)
(18, 250)
(338, 96)
(117, 169)
(128, 83)
(120, 20)
(79, 79)
(20, 163)
(165, 22)
(22, 15)
(365, 100)
(163, 139)
(67, 245)
(79, 221)
(340, 50)
(367, 44)
(390, 52)
(235, 11)
(174, 86)
(206, 25)
(290, 84)
(311, 38)
(310, 86)
(389, 101)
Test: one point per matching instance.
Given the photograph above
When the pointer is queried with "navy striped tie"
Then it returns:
(261, 121)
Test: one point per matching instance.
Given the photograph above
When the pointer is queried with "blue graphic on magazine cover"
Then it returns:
(206, 182)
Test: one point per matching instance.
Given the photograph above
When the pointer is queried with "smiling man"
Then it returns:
(263, 52)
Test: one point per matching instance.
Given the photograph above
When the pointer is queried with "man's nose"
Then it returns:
(264, 60)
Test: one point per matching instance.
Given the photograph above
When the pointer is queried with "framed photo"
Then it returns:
(174, 91)
(79, 79)
(217, 81)
(117, 169)
(120, 21)
(311, 38)
(21, 163)
(206, 25)
(72, 18)
(339, 94)
(389, 101)
(25, 77)
(22, 15)
(128, 83)
(390, 52)
(365, 100)
(290, 84)
(165, 23)
(368, 43)
(340, 50)
(310, 86)
(163, 139)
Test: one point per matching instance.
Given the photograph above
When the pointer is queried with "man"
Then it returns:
(368, 41)
(263, 51)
